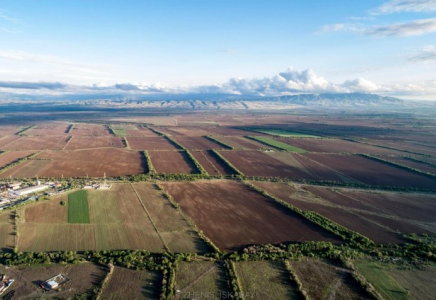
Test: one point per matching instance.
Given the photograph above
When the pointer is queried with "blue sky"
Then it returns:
(382, 46)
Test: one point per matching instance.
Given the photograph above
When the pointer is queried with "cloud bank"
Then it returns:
(284, 83)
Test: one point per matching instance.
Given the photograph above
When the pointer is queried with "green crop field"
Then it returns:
(277, 144)
(381, 280)
(285, 133)
(78, 209)
(119, 131)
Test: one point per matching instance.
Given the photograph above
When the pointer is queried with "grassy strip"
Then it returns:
(228, 147)
(23, 131)
(17, 162)
(353, 238)
(196, 163)
(227, 162)
(297, 280)
(150, 166)
(234, 283)
(276, 144)
(78, 208)
(193, 226)
(399, 165)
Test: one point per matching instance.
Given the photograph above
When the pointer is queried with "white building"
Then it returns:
(30, 190)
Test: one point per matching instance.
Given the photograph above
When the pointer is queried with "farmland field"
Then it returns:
(245, 217)
(172, 162)
(27, 169)
(150, 143)
(325, 280)
(196, 143)
(350, 219)
(84, 278)
(37, 143)
(93, 163)
(78, 209)
(379, 276)
(411, 164)
(336, 146)
(240, 142)
(10, 157)
(211, 163)
(266, 280)
(130, 284)
(200, 278)
(76, 143)
(7, 232)
(373, 172)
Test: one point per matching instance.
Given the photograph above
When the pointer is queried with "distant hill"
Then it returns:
(222, 101)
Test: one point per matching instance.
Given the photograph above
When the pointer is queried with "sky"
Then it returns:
(244, 47)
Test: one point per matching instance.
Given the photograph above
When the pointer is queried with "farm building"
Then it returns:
(30, 190)
(50, 285)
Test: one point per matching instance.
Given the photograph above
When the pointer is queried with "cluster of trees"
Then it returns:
(150, 166)
(69, 128)
(23, 131)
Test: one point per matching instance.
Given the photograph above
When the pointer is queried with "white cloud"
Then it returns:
(360, 84)
(285, 83)
(426, 54)
(416, 27)
(396, 6)
(412, 28)
(5, 15)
